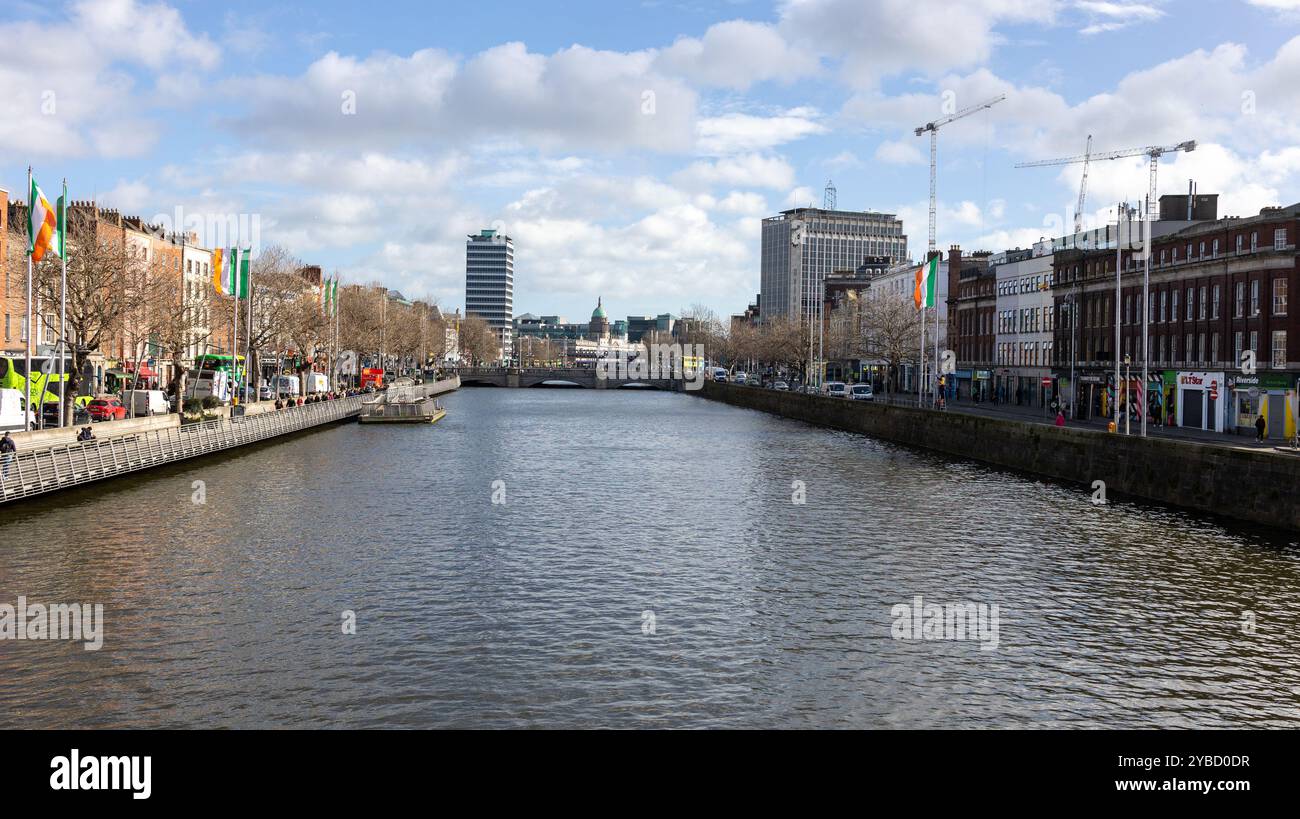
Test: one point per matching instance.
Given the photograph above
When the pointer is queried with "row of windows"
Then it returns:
(1201, 303)
(1203, 348)
(1025, 320)
(1025, 284)
(1024, 353)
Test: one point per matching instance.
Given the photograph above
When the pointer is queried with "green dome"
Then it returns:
(599, 312)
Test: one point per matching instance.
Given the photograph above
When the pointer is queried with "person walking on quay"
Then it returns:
(1260, 426)
(7, 450)
(1060, 418)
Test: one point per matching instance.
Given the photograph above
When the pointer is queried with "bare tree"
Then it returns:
(892, 329)
(478, 342)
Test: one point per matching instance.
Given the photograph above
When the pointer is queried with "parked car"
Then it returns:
(754, 382)
(719, 375)
(780, 386)
(861, 392)
(264, 393)
(836, 389)
(107, 408)
(739, 378)
(51, 413)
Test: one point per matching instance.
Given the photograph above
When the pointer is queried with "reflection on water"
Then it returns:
(530, 613)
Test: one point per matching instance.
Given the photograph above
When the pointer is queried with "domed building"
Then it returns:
(598, 329)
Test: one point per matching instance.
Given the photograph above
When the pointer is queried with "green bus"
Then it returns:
(13, 376)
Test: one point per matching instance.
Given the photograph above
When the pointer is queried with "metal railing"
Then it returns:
(35, 472)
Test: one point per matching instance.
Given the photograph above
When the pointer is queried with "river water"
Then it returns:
(645, 564)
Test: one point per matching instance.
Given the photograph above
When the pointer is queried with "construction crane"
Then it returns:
(1083, 189)
(933, 128)
(1152, 151)
(829, 198)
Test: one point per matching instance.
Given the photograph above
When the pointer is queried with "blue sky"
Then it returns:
(632, 149)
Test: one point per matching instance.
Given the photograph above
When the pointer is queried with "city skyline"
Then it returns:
(637, 161)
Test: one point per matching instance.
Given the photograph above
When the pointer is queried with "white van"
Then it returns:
(835, 389)
(148, 402)
(13, 414)
(285, 386)
(209, 383)
(316, 382)
(861, 392)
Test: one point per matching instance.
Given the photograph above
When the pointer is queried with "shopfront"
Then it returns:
(1270, 394)
(1200, 400)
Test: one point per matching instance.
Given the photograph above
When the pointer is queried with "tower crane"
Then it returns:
(933, 128)
(1083, 188)
(1152, 151)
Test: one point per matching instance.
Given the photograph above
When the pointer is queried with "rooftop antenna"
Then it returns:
(828, 198)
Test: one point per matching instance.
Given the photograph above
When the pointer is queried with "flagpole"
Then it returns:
(248, 343)
(63, 304)
(27, 347)
(234, 324)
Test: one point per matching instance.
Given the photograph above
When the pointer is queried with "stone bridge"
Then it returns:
(584, 377)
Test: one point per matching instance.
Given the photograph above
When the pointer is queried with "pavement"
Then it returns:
(1038, 415)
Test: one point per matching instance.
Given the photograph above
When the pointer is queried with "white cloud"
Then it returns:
(577, 98)
(736, 54)
(1112, 16)
(888, 37)
(738, 133)
(72, 89)
(750, 171)
(899, 153)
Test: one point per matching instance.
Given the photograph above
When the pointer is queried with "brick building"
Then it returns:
(1218, 289)
(972, 313)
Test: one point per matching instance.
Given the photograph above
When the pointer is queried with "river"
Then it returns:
(645, 563)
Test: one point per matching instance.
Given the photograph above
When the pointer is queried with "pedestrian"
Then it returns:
(7, 450)
(1260, 426)
(1060, 418)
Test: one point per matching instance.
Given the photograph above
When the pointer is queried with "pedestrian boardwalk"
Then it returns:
(35, 472)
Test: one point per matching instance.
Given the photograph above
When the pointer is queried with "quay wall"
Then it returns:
(1246, 484)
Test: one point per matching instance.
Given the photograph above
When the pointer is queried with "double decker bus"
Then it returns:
(44, 384)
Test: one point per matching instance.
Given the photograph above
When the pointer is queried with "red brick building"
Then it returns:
(972, 320)
(1217, 290)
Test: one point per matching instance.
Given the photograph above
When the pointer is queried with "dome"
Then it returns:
(599, 312)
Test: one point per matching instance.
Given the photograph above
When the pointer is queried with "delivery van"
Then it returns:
(286, 386)
(315, 382)
(148, 402)
(14, 416)
(208, 383)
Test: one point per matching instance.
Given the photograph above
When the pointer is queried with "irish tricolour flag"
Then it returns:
(230, 271)
(927, 282)
(43, 229)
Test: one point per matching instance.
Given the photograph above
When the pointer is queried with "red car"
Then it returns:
(106, 409)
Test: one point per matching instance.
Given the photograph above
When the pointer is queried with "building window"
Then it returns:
(1254, 341)
(1241, 240)
(1279, 349)
(1164, 348)
(1191, 302)
(1279, 239)
(1214, 348)
(1214, 305)
(1254, 241)
(1202, 250)
(1239, 306)
(1190, 350)
(1203, 303)
(1164, 298)
(1215, 252)
(1254, 297)
(1200, 347)
(1236, 348)
(1279, 297)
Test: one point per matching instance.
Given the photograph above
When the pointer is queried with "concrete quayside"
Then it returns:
(1245, 484)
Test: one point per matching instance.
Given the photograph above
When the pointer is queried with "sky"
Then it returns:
(632, 149)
